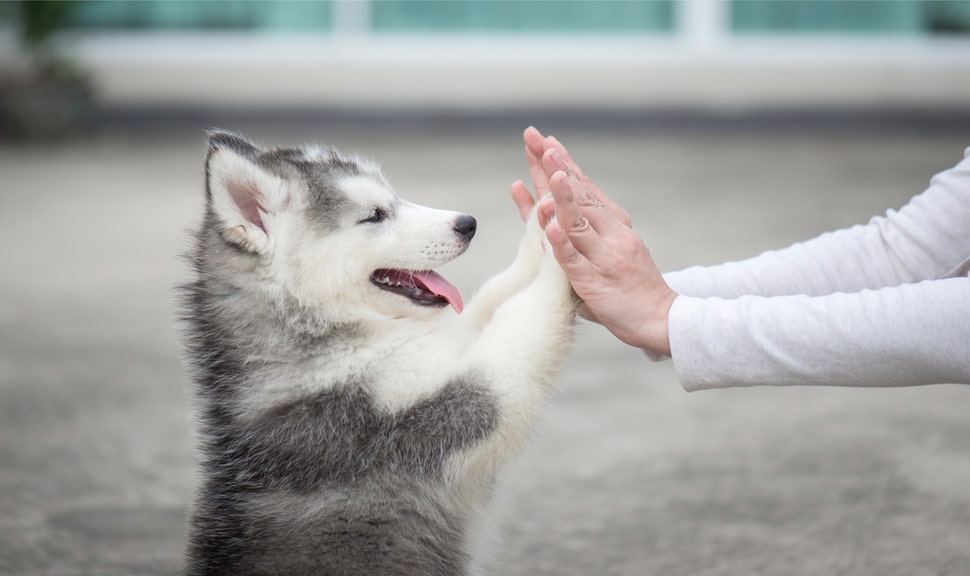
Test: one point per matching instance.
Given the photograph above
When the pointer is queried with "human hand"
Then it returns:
(607, 263)
(535, 146)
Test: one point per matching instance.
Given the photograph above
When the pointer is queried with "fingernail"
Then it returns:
(560, 173)
(557, 159)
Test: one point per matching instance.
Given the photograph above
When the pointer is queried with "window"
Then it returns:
(572, 16)
(903, 17)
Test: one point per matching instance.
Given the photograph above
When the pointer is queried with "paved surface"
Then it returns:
(628, 475)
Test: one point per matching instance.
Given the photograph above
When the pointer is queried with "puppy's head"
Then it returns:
(327, 229)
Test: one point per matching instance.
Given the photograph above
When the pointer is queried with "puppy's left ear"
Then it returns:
(244, 197)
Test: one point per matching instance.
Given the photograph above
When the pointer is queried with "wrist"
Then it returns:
(653, 335)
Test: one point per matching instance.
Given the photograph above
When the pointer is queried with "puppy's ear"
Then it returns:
(244, 197)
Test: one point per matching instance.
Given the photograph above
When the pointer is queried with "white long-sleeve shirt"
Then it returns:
(881, 304)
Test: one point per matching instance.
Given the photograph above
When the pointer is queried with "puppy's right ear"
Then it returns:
(244, 197)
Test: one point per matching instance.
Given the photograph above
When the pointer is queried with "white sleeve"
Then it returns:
(884, 304)
(911, 334)
(928, 238)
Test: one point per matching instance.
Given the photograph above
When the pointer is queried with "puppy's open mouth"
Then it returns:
(423, 287)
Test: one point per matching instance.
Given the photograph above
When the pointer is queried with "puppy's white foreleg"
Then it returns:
(520, 351)
(516, 277)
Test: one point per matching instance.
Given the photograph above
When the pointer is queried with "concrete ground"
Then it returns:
(628, 474)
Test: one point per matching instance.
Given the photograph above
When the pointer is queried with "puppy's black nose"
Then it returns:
(465, 227)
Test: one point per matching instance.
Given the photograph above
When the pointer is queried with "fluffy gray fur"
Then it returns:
(322, 479)
(322, 484)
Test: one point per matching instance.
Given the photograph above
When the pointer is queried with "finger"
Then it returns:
(576, 267)
(551, 143)
(533, 140)
(523, 198)
(591, 205)
(618, 212)
(591, 195)
(572, 218)
(533, 153)
(570, 260)
(540, 179)
(547, 210)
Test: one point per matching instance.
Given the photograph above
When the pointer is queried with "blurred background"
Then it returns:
(484, 58)
(725, 127)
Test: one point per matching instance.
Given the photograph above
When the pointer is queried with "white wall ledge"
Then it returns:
(521, 71)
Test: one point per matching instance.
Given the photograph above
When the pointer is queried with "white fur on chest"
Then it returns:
(409, 362)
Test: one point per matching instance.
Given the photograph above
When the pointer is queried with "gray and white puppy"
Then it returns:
(349, 422)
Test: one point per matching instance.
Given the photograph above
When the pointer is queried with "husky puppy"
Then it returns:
(349, 421)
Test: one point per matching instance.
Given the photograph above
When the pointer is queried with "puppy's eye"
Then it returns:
(376, 215)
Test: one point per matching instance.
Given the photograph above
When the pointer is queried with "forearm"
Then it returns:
(911, 334)
(925, 240)
(844, 261)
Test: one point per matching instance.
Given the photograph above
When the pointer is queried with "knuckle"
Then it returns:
(580, 225)
(589, 199)
(571, 259)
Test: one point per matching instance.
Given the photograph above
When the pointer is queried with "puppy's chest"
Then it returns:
(340, 435)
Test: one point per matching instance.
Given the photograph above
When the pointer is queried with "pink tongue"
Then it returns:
(440, 287)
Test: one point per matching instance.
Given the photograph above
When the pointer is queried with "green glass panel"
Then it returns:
(204, 14)
(824, 16)
(226, 15)
(947, 16)
(522, 16)
(8, 12)
(296, 15)
(570, 16)
(101, 14)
